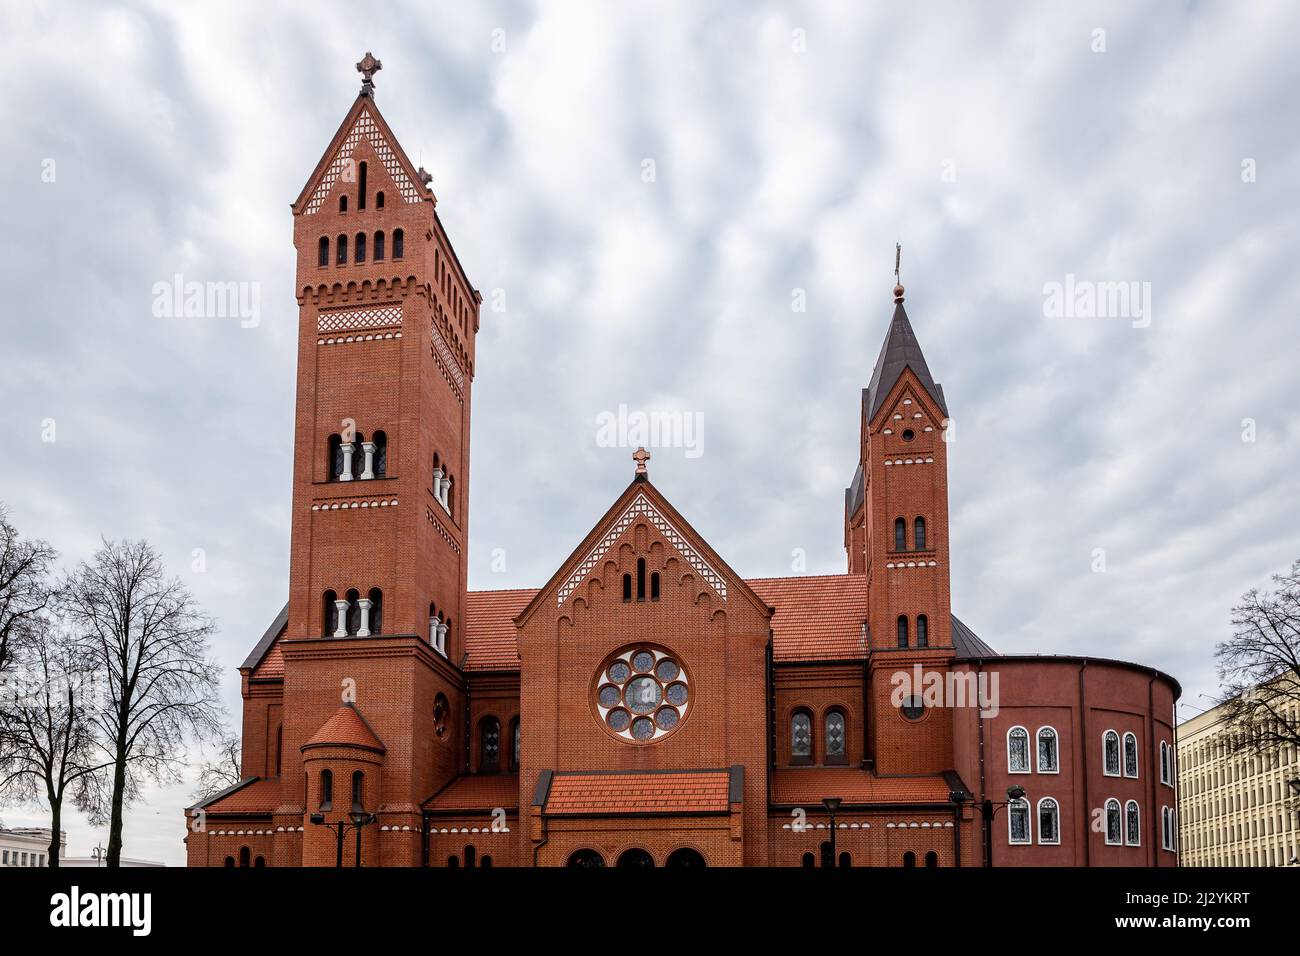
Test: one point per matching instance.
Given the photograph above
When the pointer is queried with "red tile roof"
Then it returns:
(697, 791)
(478, 792)
(272, 664)
(260, 796)
(818, 617)
(490, 628)
(808, 785)
(346, 727)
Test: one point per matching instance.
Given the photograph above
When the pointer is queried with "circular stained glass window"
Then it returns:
(642, 694)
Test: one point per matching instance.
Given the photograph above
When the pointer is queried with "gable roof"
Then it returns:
(899, 351)
(276, 628)
(482, 791)
(490, 642)
(250, 795)
(346, 727)
(967, 643)
(818, 617)
(638, 792)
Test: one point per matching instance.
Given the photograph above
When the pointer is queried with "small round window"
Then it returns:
(912, 708)
(908, 434)
(642, 694)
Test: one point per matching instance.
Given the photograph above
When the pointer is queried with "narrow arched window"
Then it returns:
(1130, 755)
(323, 251)
(260, 861)
(343, 204)
(640, 579)
(627, 587)
(1114, 834)
(836, 744)
(922, 631)
(931, 860)
(244, 856)
(358, 791)
(1048, 751)
(1049, 821)
(909, 860)
(279, 746)
(900, 534)
(846, 860)
(359, 250)
(354, 611)
(1166, 764)
(334, 467)
(489, 745)
(1018, 830)
(361, 188)
(918, 534)
(902, 630)
(329, 614)
(801, 737)
(379, 245)
(398, 243)
(341, 252)
(376, 611)
(1018, 750)
(654, 586)
(326, 790)
(379, 199)
(1132, 824)
(808, 861)
(381, 455)
(1110, 754)
(514, 745)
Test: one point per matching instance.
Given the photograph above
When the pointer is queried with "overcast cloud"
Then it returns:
(792, 146)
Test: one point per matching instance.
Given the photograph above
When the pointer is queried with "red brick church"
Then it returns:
(648, 705)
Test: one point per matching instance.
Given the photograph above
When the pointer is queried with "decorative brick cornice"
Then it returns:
(440, 528)
(343, 504)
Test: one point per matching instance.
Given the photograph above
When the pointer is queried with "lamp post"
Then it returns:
(360, 818)
(832, 804)
(988, 810)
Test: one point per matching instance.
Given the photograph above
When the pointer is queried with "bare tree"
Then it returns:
(24, 584)
(1259, 669)
(221, 771)
(47, 729)
(149, 643)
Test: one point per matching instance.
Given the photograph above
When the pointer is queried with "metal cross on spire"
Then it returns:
(368, 66)
(641, 456)
(898, 260)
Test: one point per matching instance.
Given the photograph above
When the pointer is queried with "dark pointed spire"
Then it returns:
(900, 351)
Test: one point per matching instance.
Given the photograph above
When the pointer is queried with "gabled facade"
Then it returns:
(648, 705)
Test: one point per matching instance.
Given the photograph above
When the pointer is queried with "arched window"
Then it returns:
(1049, 760)
(486, 862)
(343, 204)
(334, 463)
(341, 251)
(1114, 834)
(354, 611)
(918, 534)
(654, 585)
(514, 745)
(323, 251)
(1130, 755)
(931, 860)
(379, 199)
(1168, 830)
(801, 747)
(836, 749)
(379, 245)
(489, 733)
(440, 709)
(900, 534)
(376, 611)
(1110, 753)
(398, 237)
(846, 860)
(260, 861)
(230, 861)
(453, 862)
(627, 587)
(636, 859)
(1018, 829)
(361, 188)
(1018, 750)
(902, 630)
(1132, 824)
(1049, 821)
(358, 791)
(359, 248)
(640, 579)
(922, 631)
(326, 790)
(470, 855)
(244, 856)
(329, 614)
(808, 861)
(685, 857)
(586, 858)
(909, 860)
(1166, 764)
(380, 467)
(279, 746)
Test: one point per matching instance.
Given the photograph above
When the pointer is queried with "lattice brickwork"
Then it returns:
(348, 320)
(364, 129)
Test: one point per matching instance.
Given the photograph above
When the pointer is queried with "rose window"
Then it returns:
(642, 694)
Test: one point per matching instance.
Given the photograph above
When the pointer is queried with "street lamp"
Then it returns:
(832, 804)
(988, 810)
(360, 818)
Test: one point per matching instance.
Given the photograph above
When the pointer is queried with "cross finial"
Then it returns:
(368, 66)
(641, 456)
(898, 260)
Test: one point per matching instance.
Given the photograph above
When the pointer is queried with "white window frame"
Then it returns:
(1124, 817)
(1105, 771)
(1039, 809)
(1106, 810)
(1166, 764)
(1029, 823)
(1168, 829)
(1123, 756)
(1038, 754)
(1029, 756)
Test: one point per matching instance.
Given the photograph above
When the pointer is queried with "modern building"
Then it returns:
(27, 846)
(648, 704)
(1235, 809)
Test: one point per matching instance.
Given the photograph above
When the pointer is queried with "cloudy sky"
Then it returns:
(791, 146)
